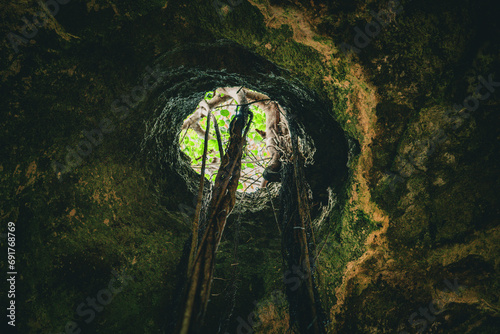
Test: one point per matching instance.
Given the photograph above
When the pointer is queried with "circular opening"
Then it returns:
(261, 139)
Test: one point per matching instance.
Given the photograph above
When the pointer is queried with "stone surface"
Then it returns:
(410, 225)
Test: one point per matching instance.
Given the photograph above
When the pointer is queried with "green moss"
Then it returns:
(106, 221)
(345, 243)
(121, 220)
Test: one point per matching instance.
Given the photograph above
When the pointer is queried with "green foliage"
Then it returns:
(255, 154)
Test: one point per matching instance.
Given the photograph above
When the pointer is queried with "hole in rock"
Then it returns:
(266, 137)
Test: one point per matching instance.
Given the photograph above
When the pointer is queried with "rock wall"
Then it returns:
(408, 234)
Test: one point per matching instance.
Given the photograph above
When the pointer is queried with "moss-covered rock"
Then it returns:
(417, 209)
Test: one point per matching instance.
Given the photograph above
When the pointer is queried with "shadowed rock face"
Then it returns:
(408, 235)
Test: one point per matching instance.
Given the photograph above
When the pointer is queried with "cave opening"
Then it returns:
(266, 139)
(308, 165)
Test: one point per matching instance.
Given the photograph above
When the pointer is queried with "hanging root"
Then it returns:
(201, 266)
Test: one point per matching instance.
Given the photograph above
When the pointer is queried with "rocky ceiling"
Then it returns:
(396, 106)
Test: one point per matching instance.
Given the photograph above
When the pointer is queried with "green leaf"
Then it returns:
(209, 95)
(224, 112)
(240, 185)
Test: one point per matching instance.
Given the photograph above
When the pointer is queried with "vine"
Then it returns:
(255, 155)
